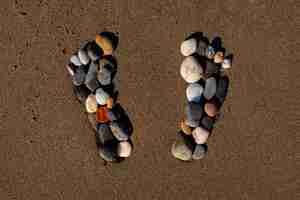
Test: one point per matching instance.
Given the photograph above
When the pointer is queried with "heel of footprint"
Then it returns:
(204, 69)
(92, 69)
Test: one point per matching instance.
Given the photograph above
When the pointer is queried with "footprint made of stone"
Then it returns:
(204, 68)
(92, 69)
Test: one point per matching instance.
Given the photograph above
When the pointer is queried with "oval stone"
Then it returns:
(194, 92)
(101, 96)
(83, 57)
(199, 152)
(200, 135)
(222, 88)
(91, 78)
(105, 43)
(202, 46)
(79, 76)
(91, 104)
(181, 151)
(219, 57)
(191, 70)
(211, 68)
(211, 109)
(193, 113)
(124, 149)
(104, 76)
(75, 60)
(102, 114)
(104, 133)
(210, 88)
(119, 130)
(94, 51)
(108, 152)
(188, 47)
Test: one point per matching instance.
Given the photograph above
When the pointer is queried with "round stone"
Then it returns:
(104, 76)
(185, 128)
(79, 77)
(181, 151)
(124, 149)
(102, 114)
(75, 60)
(94, 51)
(194, 92)
(210, 52)
(211, 109)
(101, 96)
(199, 152)
(219, 57)
(104, 133)
(83, 57)
(105, 43)
(91, 104)
(226, 63)
(119, 130)
(92, 120)
(188, 47)
(81, 92)
(200, 135)
(191, 70)
(210, 88)
(222, 88)
(194, 114)
(108, 152)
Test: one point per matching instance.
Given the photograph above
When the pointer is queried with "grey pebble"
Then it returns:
(75, 60)
(104, 133)
(79, 76)
(202, 46)
(91, 78)
(83, 57)
(104, 76)
(119, 130)
(199, 152)
(210, 88)
(94, 51)
(194, 92)
(194, 112)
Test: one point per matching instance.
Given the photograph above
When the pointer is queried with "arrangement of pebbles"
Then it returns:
(204, 68)
(92, 69)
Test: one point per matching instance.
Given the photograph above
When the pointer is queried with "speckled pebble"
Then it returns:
(194, 92)
(188, 47)
(75, 60)
(199, 152)
(210, 88)
(200, 135)
(101, 96)
(124, 149)
(91, 104)
(191, 70)
(83, 57)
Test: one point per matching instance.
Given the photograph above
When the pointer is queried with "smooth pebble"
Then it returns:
(210, 52)
(194, 92)
(200, 135)
(105, 43)
(202, 46)
(210, 109)
(108, 152)
(91, 78)
(102, 114)
(104, 76)
(79, 76)
(75, 60)
(91, 104)
(81, 92)
(226, 63)
(124, 149)
(101, 96)
(219, 57)
(191, 70)
(119, 130)
(193, 113)
(181, 151)
(188, 47)
(104, 133)
(199, 152)
(83, 57)
(210, 88)
(94, 51)
(211, 68)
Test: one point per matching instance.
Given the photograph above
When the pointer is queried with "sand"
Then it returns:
(48, 150)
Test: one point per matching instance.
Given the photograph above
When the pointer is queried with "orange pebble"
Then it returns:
(110, 103)
(105, 44)
(102, 116)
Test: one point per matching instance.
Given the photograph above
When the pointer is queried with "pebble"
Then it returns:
(83, 57)
(91, 104)
(210, 88)
(210, 52)
(75, 60)
(211, 109)
(102, 114)
(211, 68)
(188, 47)
(191, 70)
(222, 88)
(79, 76)
(199, 152)
(104, 76)
(110, 103)
(202, 46)
(207, 123)
(194, 92)
(92, 120)
(124, 149)
(104, 133)
(200, 135)
(193, 113)
(81, 92)
(185, 128)
(219, 57)
(94, 51)
(105, 43)
(181, 151)
(119, 130)
(91, 78)
(108, 152)
(101, 96)
(226, 63)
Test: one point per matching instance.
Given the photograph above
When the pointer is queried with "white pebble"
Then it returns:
(210, 88)
(191, 70)
(101, 96)
(75, 60)
(200, 135)
(188, 47)
(194, 92)
(124, 149)
(226, 63)
(83, 57)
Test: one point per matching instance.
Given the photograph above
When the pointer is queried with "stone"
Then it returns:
(110, 103)
(94, 51)
(210, 52)
(79, 76)
(104, 133)
(113, 114)
(105, 43)
(193, 113)
(194, 92)
(185, 128)
(191, 70)
(210, 88)
(200, 135)
(211, 68)
(108, 152)
(119, 130)
(226, 63)
(83, 57)
(222, 89)
(92, 120)
(91, 78)
(101, 96)
(75, 60)
(183, 147)
(199, 152)
(219, 57)
(211, 109)
(81, 92)
(104, 75)
(188, 47)
(202, 46)
(124, 149)
(91, 104)
(207, 123)
(102, 114)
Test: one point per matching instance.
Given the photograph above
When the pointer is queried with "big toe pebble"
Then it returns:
(124, 149)
(188, 47)
(194, 92)
(191, 70)
(200, 135)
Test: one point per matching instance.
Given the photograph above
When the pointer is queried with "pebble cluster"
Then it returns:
(92, 69)
(204, 69)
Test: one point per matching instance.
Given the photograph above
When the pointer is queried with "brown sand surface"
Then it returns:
(48, 151)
